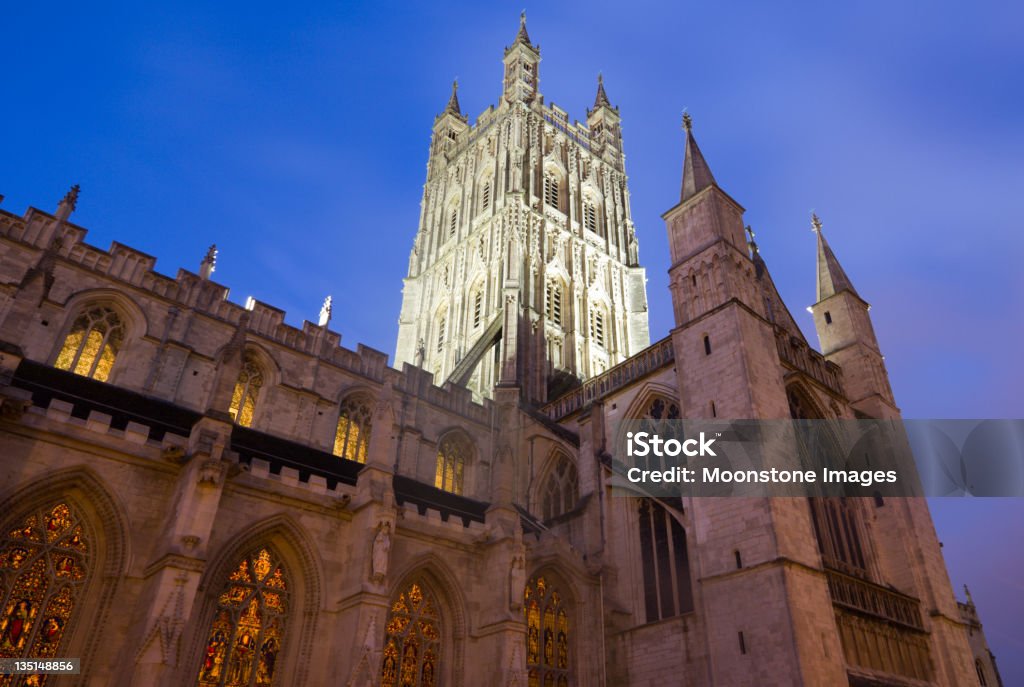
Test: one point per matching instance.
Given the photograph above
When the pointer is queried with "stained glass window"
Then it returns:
(92, 344)
(247, 391)
(245, 637)
(561, 488)
(352, 436)
(44, 563)
(412, 641)
(452, 453)
(547, 636)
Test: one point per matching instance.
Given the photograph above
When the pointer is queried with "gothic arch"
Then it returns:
(107, 524)
(550, 589)
(447, 588)
(298, 553)
(130, 311)
(557, 458)
(133, 326)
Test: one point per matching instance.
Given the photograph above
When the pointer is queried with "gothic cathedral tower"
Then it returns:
(525, 268)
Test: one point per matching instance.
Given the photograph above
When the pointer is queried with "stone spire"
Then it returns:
(522, 36)
(696, 173)
(453, 102)
(831, 277)
(602, 98)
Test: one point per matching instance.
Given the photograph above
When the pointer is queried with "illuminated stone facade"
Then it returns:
(218, 497)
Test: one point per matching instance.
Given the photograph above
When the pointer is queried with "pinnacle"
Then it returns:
(602, 98)
(696, 173)
(453, 101)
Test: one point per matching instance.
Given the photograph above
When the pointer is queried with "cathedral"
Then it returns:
(196, 493)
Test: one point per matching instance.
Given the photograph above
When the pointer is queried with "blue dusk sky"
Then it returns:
(295, 135)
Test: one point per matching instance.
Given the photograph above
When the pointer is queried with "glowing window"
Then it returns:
(92, 344)
(352, 436)
(452, 454)
(244, 640)
(547, 635)
(247, 391)
(44, 564)
(412, 640)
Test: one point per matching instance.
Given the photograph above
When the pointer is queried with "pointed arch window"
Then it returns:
(665, 563)
(453, 221)
(412, 642)
(597, 326)
(551, 189)
(442, 325)
(92, 344)
(247, 391)
(485, 195)
(452, 455)
(553, 302)
(478, 306)
(561, 488)
(244, 641)
(547, 635)
(590, 215)
(352, 435)
(44, 566)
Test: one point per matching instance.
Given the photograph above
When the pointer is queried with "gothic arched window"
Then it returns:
(561, 488)
(590, 215)
(553, 302)
(442, 325)
(597, 326)
(452, 455)
(551, 196)
(247, 391)
(244, 641)
(485, 195)
(478, 305)
(665, 563)
(352, 436)
(92, 344)
(44, 564)
(412, 644)
(547, 635)
(453, 221)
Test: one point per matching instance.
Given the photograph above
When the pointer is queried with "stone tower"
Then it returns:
(524, 270)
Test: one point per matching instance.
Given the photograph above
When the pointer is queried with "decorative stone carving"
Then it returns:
(381, 552)
(516, 582)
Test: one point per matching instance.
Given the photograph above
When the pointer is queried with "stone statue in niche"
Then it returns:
(381, 552)
(516, 582)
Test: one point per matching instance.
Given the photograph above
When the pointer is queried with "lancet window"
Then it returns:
(412, 642)
(665, 563)
(561, 488)
(91, 346)
(553, 302)
(547, 635)
(247, 391)
(246, 635)
(551, 190)
(452, 456)
(44, 565)
(352, 436)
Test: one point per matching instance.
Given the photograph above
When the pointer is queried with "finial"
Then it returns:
(71, 198)
(687, 121)
(522, 19)
(815, 222)
(750, 238)
(325, 312)
(209, 263)
(600, 78)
